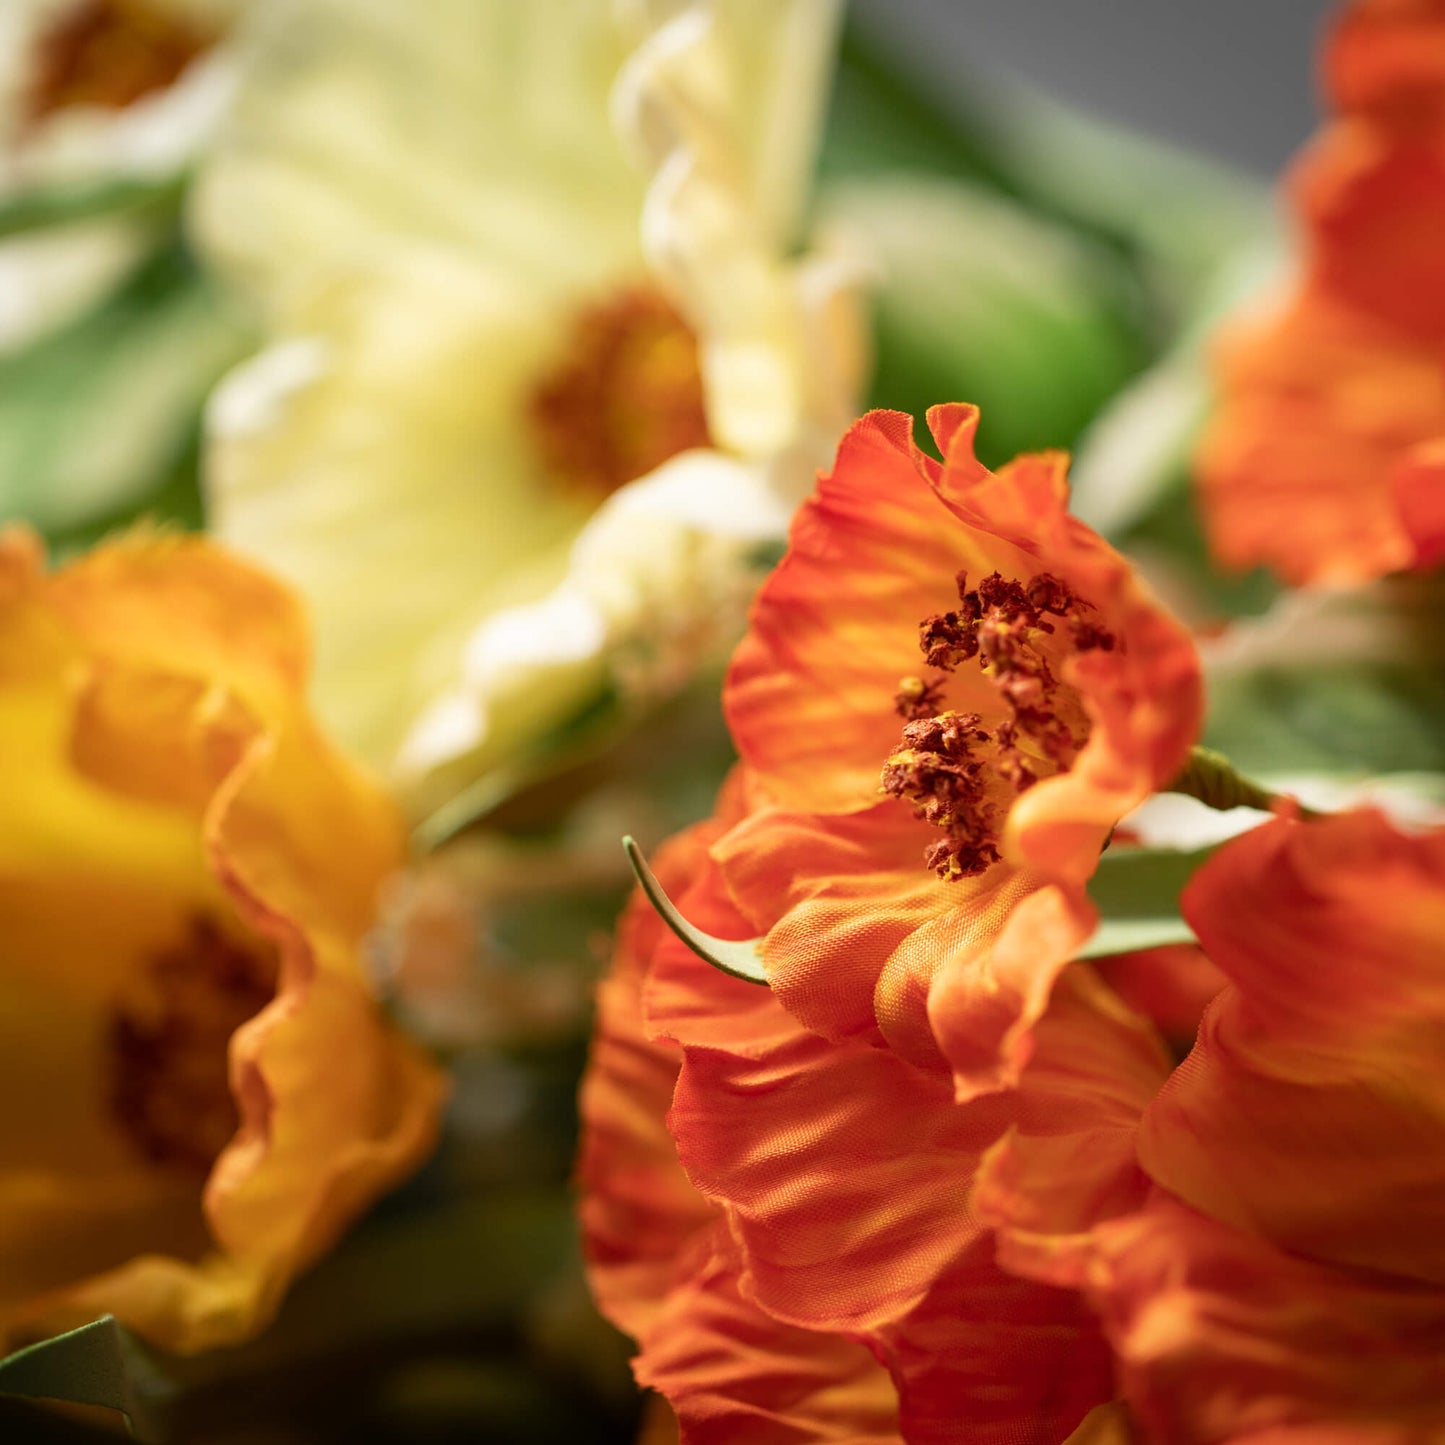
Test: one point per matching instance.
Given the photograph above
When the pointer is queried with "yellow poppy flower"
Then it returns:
(200, 1092)
(546, 369)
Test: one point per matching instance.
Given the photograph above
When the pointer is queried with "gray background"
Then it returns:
(1233, 78)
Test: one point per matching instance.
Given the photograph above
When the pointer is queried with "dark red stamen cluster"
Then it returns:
(958, 773)
(169, 1082)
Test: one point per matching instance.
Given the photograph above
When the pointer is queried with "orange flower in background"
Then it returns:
(949, 693)
(827, 1208)
(1318, 462)
(200, 1092)
(1285, 1277)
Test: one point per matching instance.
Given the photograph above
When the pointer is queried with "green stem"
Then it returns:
(1211, 777)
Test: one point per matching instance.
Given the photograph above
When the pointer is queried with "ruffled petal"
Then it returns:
(809, 694)
(638, 1210)
(842, 1170)
(836, 898)
(732, 1372)
(1312, 1110)
(660, 1263)
(1221, 1337)
(141, 891)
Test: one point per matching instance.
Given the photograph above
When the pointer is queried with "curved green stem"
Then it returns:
(1211, 777)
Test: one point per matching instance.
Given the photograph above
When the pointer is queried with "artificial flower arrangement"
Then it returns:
(1040, 1037)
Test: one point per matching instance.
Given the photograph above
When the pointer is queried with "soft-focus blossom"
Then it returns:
(1323, 460)
(544, 373)
(200, 1094)
(1284, 1278)
(96, 93)
(826, 1206)
(949, 694)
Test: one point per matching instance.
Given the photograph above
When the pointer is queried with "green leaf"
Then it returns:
(39, 207)
(101, 418)
(1349, 718)
(97, 1364)
(1136, 891)
(977, 298)
(883, 119)
(739, 958)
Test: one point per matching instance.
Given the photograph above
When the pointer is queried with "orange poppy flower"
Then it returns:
(1285, 1277)
(950, 692)
(201, 1094)
(1316, 463)
(829, 1212)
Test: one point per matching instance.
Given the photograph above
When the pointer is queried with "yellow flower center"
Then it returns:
(626, 395)
(109, 53)
(960, 773)
(169, 1040)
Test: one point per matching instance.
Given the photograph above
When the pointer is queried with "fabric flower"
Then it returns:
(1318, 462)
(530, 408)
(1284, 1278)
(949, 693)
(96, 93)
(826, 1206)
(201, 1092)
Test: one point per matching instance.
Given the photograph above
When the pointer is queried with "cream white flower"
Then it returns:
(96, 93)
(485, 442)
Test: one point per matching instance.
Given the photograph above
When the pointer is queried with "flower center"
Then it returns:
(170, 1081)
(625, 397)
(961, 773)
(109, 53)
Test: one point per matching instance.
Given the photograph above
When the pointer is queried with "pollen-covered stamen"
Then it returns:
(625, 396)
(961, 774)
(942, 771)
(109, 53)
(918, 698)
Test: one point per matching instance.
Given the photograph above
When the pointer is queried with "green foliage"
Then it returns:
(38, 208)
(97, 1364)
(1136, 891)
(978, 299)
(1346, 719)
(100, 419)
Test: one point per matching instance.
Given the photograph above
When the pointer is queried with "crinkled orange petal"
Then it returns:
(1282, 1277)
(844, 1173)
(809, 695)
(1221, 1337)
(1070, 1161)
(1312, 1110)
(661, 1266)
(733, 1373)
(840, 900)
(638, 1210)
(1171, 985)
